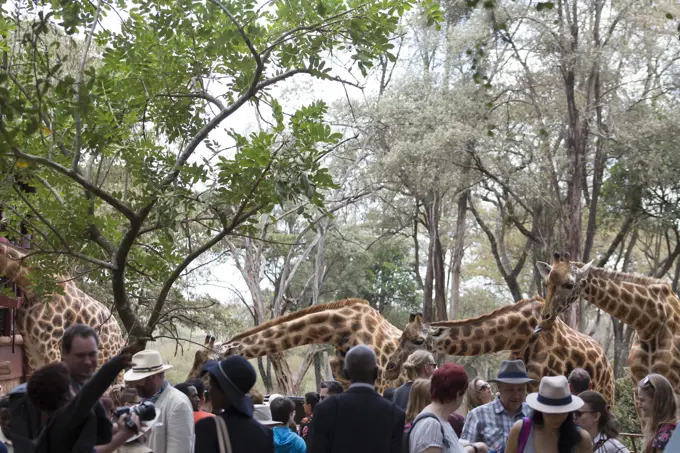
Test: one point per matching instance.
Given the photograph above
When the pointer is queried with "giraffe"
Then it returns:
(42, 324)
(343, 324)
(556, 352)
(647, 304)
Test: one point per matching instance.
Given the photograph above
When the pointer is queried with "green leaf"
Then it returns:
(540, 6)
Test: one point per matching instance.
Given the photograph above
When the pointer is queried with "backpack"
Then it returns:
(523, 435)
(407, 434)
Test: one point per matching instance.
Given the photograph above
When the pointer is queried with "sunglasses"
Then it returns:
(646, 382)
(433, 365)
(484, 386)
(578, 414)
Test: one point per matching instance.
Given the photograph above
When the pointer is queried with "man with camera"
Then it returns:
(174, 430)
(79, 352)
(67, 418)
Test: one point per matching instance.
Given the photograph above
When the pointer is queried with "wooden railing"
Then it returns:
(633, 443)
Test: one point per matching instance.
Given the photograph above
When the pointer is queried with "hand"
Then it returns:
(125, 354)
(481, 447)
(123, 427)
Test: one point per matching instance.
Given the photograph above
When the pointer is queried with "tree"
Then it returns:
(118, 154)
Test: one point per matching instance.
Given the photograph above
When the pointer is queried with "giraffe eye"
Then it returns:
(568, 285)
(419, 341)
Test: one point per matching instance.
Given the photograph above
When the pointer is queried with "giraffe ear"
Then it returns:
(211, 343)
(543, 269)
(411, 317)
(583, 271)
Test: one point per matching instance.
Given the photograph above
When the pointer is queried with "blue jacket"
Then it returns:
(286, 441)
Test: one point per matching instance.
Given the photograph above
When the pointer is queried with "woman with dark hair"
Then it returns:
(230, 381)
(551, 428)
(430, 431)
(603, 427)
(311, 400)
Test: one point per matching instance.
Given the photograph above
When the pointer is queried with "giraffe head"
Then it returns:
(564, 281)
(207, 352)
(416, 336)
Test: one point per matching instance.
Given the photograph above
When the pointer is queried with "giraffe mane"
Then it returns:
(611, 274)
(499, 311)
(299, 314)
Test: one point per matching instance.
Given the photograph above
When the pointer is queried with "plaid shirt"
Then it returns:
(491, 424)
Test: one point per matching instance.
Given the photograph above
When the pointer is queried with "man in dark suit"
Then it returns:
(358, 420)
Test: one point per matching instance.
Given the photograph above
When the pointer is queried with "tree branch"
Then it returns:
(107, 197)
(196, 95)
(79, 81)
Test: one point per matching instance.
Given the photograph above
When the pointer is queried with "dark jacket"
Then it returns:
(401, 395)
(73, 427)
(25, 424)
(246, 434)
(356, 421)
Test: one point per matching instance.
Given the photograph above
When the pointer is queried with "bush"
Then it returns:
(625, 410)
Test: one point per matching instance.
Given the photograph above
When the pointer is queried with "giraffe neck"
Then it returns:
(509, 328)
(341, 326)
(634, 300)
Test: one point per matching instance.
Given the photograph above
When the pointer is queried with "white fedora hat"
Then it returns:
(554, 397)
(147, 363)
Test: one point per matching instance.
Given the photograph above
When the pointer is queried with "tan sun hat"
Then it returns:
(147, 363)
(554, 397)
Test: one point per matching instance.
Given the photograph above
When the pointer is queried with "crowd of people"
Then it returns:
(72, 407)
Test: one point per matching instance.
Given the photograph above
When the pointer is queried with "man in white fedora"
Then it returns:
(173, 432)
(491, 423)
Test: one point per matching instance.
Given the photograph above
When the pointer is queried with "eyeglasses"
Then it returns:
(433, 365)
(578, 414)
(484, 386)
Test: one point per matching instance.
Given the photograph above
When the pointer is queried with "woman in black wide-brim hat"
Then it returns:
(234, 430)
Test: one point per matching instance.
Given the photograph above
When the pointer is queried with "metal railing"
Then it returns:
(632, 437)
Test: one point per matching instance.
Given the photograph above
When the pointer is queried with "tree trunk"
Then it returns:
(428, 286)
(457, 260)
(318, 362)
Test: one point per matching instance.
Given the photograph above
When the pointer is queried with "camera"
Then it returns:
(146, 411)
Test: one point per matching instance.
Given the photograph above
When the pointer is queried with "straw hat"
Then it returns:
(554, 397)
(147, 363)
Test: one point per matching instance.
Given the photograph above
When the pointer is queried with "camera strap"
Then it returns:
(222, 435)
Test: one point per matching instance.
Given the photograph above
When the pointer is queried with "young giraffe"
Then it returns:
(556, 352)
(647, 304)
(342, 324)
(42, 323)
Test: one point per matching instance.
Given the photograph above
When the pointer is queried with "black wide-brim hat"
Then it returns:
(236, 376)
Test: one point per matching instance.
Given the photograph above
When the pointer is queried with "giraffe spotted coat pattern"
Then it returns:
(42, 322)
(342, 324)
(647, 304)
(556, 352)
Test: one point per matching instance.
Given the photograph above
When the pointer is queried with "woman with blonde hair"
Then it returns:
(420, 364)
(658, 407)
(478, 394)
(417, 400)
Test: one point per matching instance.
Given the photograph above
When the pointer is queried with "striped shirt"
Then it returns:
(491, 424)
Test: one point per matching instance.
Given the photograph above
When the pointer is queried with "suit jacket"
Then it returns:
(356, 421)
(174, 432)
